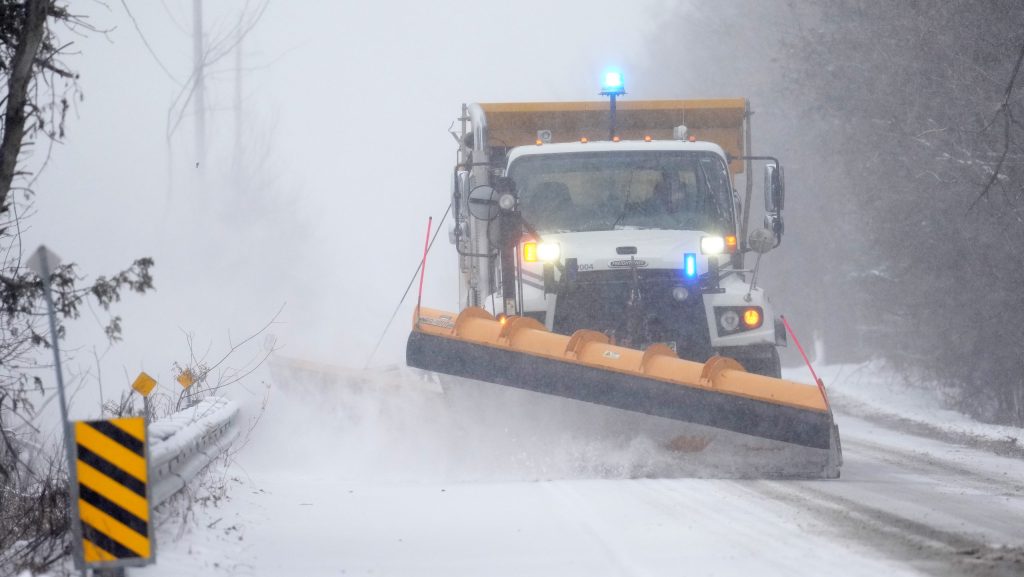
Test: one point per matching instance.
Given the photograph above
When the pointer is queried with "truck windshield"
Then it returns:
(625, 189)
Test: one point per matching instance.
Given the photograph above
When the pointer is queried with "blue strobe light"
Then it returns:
(613, 83)
(690, 266)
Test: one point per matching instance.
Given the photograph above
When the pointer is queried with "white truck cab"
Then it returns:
(640, 239)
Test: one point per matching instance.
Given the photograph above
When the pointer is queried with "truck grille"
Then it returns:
(598, 299)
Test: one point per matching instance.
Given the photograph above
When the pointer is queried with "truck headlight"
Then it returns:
(680, 293)
(730, 320)
(549, 251)
(507, 201)
(712, 245)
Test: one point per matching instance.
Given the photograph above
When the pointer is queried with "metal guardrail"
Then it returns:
(183, 444)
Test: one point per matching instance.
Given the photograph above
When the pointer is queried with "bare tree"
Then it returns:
(922, 96)
(36, 86)
(902, 127)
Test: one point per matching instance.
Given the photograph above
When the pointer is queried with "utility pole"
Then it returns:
(198, 94)
(238, 106)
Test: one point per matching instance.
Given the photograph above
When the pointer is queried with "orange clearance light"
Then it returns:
(692, 139)
(539, 142)
(530, 251)
(502, 318)
(647, 138)
(730, 243)
(752, 318)
(584, 139)
(616, 139)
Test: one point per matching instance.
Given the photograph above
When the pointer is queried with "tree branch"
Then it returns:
(29, 41)
(1008, 121)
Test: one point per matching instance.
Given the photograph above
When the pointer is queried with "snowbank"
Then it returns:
(871, 391)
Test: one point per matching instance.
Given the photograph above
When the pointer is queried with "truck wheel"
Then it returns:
(769, 366)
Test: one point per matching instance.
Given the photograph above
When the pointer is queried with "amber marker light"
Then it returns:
(730, 243)
(752, 318)
(584, 139)
(692, 139)
(503, 318)
(647, 138)
(616, 139)
(530, 251)
(539, 142)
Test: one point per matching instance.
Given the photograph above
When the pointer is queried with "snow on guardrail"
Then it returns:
(184, 443)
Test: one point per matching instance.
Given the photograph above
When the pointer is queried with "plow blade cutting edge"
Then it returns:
(783, 426)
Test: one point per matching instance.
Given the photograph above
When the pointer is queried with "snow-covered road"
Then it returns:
(391, 492)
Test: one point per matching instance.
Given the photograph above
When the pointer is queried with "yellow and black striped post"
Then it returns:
(113, 493)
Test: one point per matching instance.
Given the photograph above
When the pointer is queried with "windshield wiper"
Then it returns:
(625, 210)
(710, 194)
(625, 204)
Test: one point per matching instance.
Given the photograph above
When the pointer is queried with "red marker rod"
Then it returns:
(423, 268)
(799, 347)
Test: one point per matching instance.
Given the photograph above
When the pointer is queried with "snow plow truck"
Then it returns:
(603, 258)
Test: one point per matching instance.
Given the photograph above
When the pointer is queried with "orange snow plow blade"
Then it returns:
(785, 424)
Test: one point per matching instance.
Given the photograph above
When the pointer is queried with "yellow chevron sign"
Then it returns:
(113, 495)
(144, 384)
(186, 379)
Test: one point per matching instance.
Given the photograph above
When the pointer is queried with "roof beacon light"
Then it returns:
(612, 87)
(613, 84)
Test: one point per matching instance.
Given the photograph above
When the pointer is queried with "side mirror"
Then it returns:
(761, 240)
(773, 222)
(774, 189)
(774, 200)
(483, 202)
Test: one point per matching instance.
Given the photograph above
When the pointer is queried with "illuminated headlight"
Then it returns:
(712, 245)
(507, 201)
(730, 320)
(549, 251)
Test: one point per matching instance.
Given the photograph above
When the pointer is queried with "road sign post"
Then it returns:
(144, 385)
(108, 469)
(43, 262)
